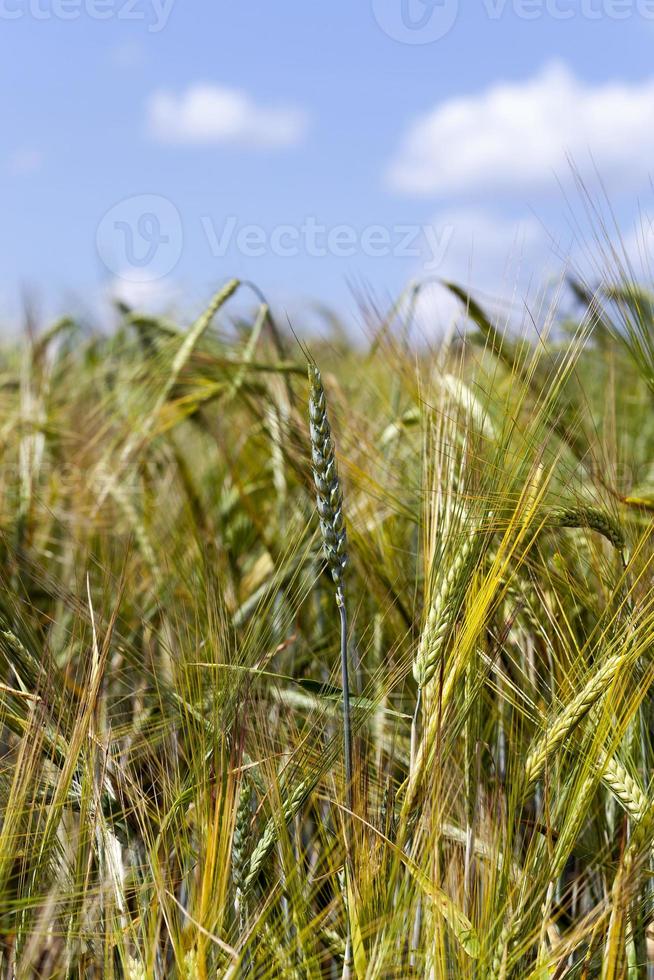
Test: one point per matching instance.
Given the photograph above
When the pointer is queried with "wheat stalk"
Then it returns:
(329, 500)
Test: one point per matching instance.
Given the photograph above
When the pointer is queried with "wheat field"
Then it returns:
(179, 614)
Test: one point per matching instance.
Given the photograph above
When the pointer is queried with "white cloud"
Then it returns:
(480, 238)
(158, 296)
(24, 161)
(207, 114)
(492, 255)
(520, 135)
(491, 250)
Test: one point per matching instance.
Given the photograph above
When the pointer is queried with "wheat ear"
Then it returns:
(329, 500)
(329, 497)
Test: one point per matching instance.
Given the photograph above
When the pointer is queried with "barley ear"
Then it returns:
(290, 808)
(241, 840)
(589, 517)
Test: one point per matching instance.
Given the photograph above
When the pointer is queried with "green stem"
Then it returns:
(347, 718)
(349, 789)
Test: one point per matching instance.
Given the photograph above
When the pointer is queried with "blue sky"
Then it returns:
(171, 144)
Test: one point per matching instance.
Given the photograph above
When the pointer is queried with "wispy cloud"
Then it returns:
(481, 238)
(213, 114)
(128, 55)
(24, 161)
(494, 253)
(520, 135)
(155, 297)
(491, 253)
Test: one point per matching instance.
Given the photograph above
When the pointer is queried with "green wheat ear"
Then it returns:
(329, 496)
